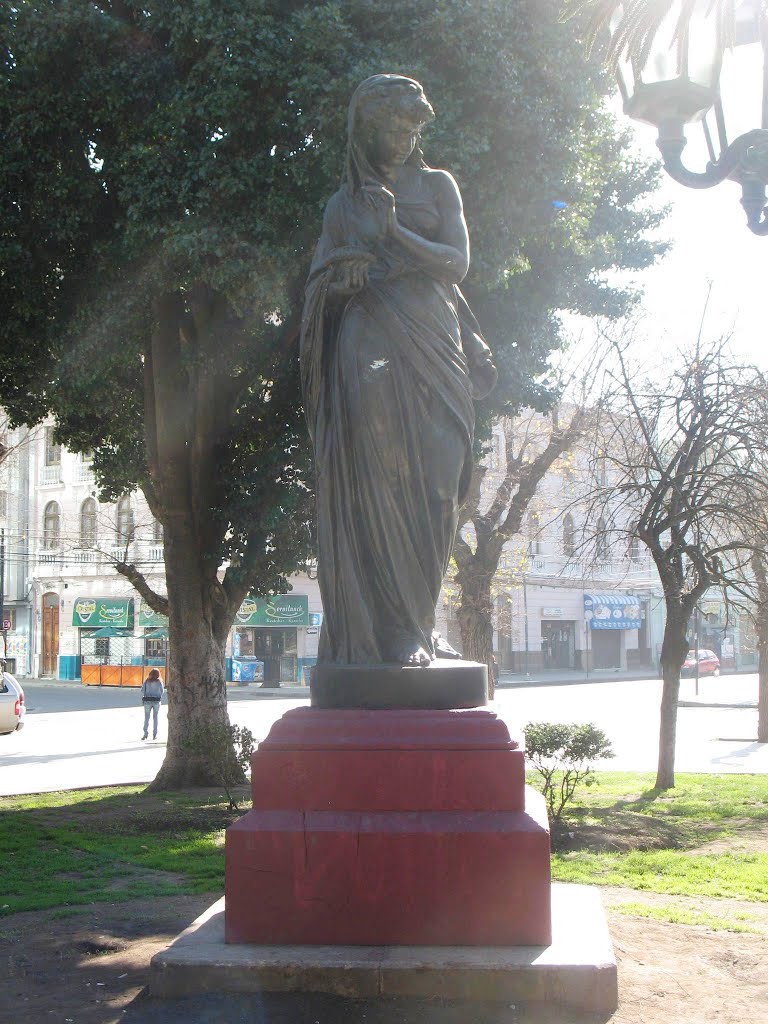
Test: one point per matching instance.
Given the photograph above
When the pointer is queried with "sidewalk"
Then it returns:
(564, 676)
(734, 690)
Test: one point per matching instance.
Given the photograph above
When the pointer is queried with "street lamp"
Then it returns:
(677, 70)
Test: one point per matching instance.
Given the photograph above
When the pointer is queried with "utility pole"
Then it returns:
(696, 644)
(525, 620)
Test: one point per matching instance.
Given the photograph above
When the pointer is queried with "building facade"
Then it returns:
(569, 594)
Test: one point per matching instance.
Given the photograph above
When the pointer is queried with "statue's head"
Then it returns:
(379, 102)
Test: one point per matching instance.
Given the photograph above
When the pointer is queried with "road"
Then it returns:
(77, 736)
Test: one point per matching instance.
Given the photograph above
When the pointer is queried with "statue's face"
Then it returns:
(392, 144)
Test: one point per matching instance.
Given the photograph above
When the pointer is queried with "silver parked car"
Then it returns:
(12, 707)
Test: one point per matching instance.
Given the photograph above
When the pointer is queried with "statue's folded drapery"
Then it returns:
(388, 398)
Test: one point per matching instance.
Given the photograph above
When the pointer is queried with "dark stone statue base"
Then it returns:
(438, 686)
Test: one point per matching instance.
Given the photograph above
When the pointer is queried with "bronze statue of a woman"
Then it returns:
(391, 358)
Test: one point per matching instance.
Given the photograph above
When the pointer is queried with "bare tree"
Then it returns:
(496, 507)
(684, 472)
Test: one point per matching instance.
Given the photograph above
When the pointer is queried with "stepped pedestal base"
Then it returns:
(577, 970)
(387, 828)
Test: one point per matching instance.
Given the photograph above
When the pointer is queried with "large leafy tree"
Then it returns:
(164, 171)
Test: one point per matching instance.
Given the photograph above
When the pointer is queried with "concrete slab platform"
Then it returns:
(577, 970)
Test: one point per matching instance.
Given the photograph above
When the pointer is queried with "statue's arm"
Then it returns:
(340, 253)
(448, 256)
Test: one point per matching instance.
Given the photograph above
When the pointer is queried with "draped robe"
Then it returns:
(388, 400)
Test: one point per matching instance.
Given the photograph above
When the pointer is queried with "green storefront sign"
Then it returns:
(284, 610)
(93, 612)
(150, 619)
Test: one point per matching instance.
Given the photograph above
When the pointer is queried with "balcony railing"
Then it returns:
(50, 475)
(155, 553)
(85, 556)
(83, 473)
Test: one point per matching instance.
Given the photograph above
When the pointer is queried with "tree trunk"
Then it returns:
(475, 616)
(196, 681)
(674, 649)
(760, 619)
(762, 676)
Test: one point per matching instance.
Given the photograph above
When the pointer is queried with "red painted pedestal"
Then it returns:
(389, 828)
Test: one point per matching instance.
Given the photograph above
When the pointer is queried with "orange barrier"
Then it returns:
(112, 675)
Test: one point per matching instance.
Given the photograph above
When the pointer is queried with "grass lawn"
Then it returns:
(706, 838)
(66, 849)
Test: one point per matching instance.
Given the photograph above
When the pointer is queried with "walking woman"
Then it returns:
(152, 690)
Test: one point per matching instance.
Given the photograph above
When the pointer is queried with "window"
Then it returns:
(602, 472)
(51, 525)
(124, 531)
(634, 549)
(52, 449)
(601, 540)
(568, 535)
(101, 647)
(154, 648)
(534, 533)
(3, 503)
(88, 524)
(157, 532)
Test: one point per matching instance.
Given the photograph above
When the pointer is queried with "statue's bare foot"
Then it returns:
(417, 656)
(411, 652)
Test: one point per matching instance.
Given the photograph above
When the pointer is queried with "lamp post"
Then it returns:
(676, 72)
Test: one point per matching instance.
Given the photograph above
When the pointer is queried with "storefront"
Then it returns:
(153, 630)
(106, 642)
(268, 639)
(558, 638)
(610, 620)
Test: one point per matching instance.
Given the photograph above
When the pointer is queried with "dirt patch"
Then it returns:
(745, 837)
(143, 812)
(90, 966)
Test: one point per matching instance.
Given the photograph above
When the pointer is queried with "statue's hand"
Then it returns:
(483, 374)
(350, 275)
(382, 201)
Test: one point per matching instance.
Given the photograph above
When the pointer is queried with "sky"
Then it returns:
(712, 246)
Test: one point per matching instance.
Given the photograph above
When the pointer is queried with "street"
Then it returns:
(77, 736)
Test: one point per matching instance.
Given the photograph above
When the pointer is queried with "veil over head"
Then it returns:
(378, 98)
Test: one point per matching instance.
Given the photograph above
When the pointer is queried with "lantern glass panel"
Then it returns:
(741, 89)
(662, 64)
(704, 46)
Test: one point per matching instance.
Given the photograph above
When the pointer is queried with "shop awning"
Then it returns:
(94, 612)
(612, 611)
(157, 634)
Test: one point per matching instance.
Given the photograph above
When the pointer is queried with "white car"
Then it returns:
(12, 706)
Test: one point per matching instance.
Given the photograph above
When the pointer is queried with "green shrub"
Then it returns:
(563, 756)
(227, 751)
